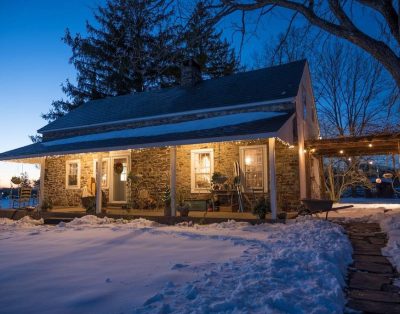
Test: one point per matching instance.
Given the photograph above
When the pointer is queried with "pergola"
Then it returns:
(377, 144)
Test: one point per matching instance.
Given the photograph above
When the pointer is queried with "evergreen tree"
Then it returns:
(128, 52)
(203, 42)
(136, 46)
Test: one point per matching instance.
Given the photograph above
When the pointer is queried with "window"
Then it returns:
(104, 171)
(73, 174)
(253, 166)
(202, 168)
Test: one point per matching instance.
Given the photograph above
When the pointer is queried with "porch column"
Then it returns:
(98, 184)
(272, 176)
(172, 183)
(41, 184)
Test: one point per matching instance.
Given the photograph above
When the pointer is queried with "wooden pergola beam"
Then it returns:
(380, 144)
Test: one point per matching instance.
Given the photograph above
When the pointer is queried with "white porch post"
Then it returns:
(41, 185)
(272, 176)
(173, 179)
(98, 184)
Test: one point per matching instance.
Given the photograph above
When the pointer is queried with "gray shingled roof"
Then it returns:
(262, 85)
(266, 127)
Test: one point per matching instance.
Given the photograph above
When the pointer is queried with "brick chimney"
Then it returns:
(190, 73)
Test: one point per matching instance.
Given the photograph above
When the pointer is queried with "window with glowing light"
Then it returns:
(202, 168)
(73, 174)
(104, 171)
(253, 165)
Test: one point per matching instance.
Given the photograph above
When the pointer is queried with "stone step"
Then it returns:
(368, 281)
(373, 306)
(374, 267)
(371, 259)
(371, 295)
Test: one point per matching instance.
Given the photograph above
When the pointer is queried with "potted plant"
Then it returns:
(183, 207)
(89, 203)
(16, 180)
(262, 207)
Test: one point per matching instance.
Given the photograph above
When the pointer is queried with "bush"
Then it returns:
(262, 207)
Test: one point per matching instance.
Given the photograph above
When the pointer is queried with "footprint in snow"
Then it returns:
(179, 266)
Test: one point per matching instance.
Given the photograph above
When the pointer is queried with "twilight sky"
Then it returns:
(34, 62)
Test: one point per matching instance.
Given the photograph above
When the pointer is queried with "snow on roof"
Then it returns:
(181, 127)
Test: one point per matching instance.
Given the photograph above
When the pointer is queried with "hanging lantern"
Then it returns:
(118, 168)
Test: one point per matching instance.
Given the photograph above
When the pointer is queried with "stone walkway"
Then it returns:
(370, 285)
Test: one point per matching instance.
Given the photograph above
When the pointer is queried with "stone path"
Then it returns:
(370, 286)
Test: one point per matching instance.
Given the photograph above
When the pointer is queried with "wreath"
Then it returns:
(118, 168)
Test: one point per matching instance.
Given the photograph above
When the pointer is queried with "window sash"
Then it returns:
(202, 167)
(253, 166)
(104, 171)
(73, 174)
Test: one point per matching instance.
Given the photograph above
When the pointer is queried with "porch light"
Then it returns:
(341, 151)
(369, 145)
(370, 162)
(248, 160)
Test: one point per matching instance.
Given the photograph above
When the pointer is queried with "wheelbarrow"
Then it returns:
(316, 206)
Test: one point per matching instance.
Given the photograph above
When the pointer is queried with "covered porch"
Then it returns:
(133, 182)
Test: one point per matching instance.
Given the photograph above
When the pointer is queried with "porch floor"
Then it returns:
(157, 213)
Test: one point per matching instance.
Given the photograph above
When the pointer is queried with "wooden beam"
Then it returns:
(98, 184)
(272, 177)
(172, 151)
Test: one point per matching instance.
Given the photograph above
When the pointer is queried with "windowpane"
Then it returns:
(253, 168)
(72, 174)
(202, 170)
(104, 172)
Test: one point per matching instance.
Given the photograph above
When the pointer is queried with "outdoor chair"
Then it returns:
(23, 199)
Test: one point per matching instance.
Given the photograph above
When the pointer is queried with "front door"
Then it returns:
(118, 191)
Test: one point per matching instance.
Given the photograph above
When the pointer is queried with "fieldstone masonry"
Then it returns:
(153, 166)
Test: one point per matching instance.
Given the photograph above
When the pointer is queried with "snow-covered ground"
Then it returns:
(94, 265)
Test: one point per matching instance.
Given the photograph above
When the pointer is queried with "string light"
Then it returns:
(369, 145)
(341, 151)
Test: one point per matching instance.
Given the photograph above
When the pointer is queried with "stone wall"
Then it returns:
(55, 179)
(287, 176)
(152, 165)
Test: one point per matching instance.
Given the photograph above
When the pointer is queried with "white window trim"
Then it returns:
(193, 152)
(265, 167)
(108, 171)
(67, 163)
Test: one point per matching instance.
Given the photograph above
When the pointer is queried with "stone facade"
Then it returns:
(152, 166)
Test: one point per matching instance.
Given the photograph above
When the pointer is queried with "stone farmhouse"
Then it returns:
(134, 147)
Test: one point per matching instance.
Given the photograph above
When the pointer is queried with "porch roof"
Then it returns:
(248, 125)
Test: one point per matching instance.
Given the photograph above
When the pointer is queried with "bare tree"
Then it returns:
(341, 174)
(353, 92)
(344, 19)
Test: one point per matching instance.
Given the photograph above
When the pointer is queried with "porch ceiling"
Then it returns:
(259, 128)
(378, 144)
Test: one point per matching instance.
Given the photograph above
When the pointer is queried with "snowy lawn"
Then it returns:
(94, 265)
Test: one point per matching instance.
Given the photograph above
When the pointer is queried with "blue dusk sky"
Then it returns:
(34, 63)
